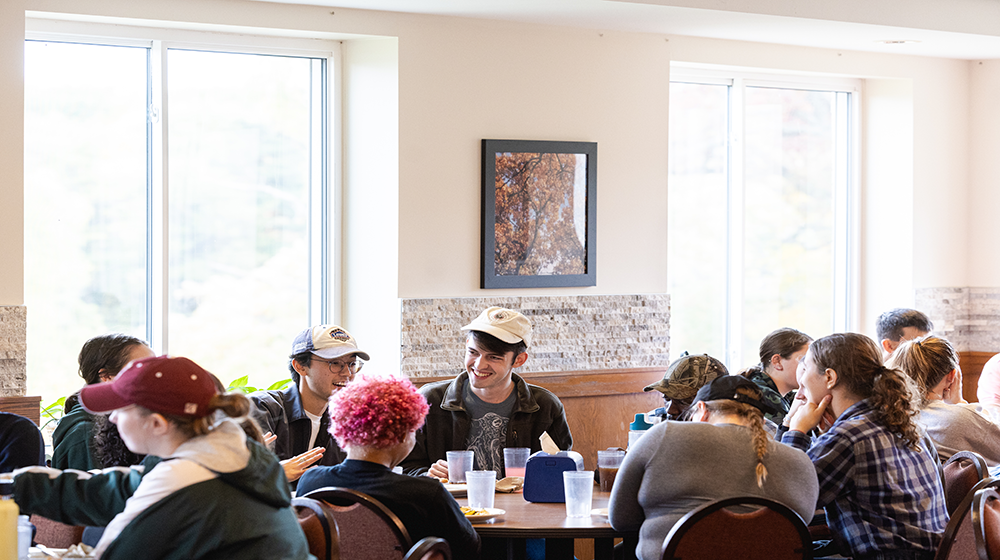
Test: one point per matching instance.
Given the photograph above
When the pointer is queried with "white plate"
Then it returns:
(600, 512)
(456, 490)
(490, 514)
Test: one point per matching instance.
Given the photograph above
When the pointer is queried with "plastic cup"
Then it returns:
(515, 459)
(482, 486)
(458, 463)
(579, 489)
(608, 463)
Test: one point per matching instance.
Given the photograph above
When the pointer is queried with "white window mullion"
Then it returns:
(158, 208)
(734, 303)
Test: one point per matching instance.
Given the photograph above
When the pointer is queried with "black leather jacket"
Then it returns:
(536, 410)
(281, 413)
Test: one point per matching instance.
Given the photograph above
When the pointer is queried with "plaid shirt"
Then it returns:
(879, 494)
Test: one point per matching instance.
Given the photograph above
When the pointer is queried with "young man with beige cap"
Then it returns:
(324, 359)
(487, 407)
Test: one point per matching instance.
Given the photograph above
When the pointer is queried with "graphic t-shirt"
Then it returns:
(488, 432)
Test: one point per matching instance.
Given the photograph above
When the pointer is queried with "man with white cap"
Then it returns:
(324, 359)
(487, 407)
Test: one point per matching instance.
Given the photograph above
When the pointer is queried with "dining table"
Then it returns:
(524, 520)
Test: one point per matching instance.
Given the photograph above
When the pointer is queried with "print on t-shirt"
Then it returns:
(489, 433)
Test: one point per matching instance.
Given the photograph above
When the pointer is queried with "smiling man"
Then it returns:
(324, 359)
(488, 407)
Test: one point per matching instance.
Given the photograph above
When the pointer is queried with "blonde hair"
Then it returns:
(755, 421)
(927, 360)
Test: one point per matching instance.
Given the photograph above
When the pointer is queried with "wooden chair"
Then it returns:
(959, 474)
(367, 529)
(319, 526)
(959, 541)
(429, 548)
(772, 532)
(986, 523)
(54, 534)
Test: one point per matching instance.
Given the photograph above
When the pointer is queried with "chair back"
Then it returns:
(54, 534)
(986, 523)
(960, 473)
(367, 529)
(772, 532)
(959, 541)
(317, 522)
(429, 548)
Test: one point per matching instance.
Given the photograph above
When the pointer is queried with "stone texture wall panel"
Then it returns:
(13, 350)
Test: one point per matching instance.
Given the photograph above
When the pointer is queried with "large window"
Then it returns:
(178, 193)
(759, 220)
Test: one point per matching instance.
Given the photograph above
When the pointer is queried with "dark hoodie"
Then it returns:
(217, 497)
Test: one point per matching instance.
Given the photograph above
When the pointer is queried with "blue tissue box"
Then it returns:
(543, 479)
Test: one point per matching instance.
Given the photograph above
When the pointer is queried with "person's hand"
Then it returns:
(299, 464)
(809, 415)
(797, 403)
(269, 439)
(439, 469)
(952, 394)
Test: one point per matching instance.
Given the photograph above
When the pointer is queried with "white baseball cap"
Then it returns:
(505, 324)
(327, 341)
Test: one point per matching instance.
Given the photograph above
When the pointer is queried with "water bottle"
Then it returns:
(637, 428)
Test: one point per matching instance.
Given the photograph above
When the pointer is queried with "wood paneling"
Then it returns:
(29, 407)
(972, 366)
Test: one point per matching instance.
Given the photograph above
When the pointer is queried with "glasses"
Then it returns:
(353, 366)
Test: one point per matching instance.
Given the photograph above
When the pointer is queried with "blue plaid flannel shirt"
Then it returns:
(879, 494)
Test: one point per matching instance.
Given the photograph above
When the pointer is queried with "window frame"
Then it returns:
(325, 274)
(846, 281)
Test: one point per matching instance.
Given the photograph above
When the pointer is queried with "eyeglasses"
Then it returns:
(353, 366)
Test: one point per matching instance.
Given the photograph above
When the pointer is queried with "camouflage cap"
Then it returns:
(687, 374)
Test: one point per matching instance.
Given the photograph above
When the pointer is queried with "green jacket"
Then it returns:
(71, 441)
(218, 497)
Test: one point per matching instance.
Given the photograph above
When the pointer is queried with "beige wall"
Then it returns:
(11, 152)
(983, 252)
(462, 80)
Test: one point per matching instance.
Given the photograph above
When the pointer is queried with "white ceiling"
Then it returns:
(964, 29)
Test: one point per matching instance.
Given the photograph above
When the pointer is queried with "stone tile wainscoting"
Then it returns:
(968, 317)
(570, 333)
(13, 350)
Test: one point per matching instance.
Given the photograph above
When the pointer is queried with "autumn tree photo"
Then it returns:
(538, 228)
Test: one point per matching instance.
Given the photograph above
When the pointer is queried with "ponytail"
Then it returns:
(233, 405)
(893, 399)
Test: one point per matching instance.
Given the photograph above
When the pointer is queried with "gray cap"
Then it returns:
(687, 374)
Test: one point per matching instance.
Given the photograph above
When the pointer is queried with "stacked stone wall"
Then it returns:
(968, 317)
(13, 350)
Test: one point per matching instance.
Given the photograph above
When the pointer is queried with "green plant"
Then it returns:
(240, 384)
(55, 411)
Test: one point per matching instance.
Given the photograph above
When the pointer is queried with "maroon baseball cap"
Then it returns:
(175, 386)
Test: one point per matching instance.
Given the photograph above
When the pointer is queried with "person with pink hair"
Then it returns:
(375, 420)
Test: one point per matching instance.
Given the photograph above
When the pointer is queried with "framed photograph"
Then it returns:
(539, 214)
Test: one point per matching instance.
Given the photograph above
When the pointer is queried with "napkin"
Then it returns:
(548, 445)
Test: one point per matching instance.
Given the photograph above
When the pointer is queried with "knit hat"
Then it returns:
(509, 326)
(687, 374)
(175, 386)
(327, 342)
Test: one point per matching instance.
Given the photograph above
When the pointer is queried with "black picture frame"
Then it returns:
(528, 192)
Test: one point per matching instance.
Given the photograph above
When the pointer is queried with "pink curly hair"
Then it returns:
(376, 412)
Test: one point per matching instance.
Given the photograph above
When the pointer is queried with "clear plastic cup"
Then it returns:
(515, 459)
(608, 463)
(482, 486)
(458, 463)
(579, 489)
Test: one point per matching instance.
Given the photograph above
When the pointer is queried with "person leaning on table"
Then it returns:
(723, 452)
(213, 494)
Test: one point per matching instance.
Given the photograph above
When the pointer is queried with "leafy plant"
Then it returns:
(240, 384)
(55, 411)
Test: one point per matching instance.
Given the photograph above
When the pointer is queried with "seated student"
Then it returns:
(896, 325)
(951, 423)
(21, 443)
(723, 453)
(780, 353)
(213, 495)
(375, 420)
(73, 441)
(880, 487)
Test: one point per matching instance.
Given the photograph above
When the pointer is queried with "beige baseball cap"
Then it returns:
(505, 324)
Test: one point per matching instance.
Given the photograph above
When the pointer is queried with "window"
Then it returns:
(758, 211)
(177, 192)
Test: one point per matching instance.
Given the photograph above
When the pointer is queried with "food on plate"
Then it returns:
(467, 511)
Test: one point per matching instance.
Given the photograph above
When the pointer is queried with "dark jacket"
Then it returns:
(536, 410)
(21, 443)
(71, 441)
(281, 413)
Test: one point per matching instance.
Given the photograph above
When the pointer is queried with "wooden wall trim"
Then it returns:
(972, 366)
(588, 383)
(29, 407)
